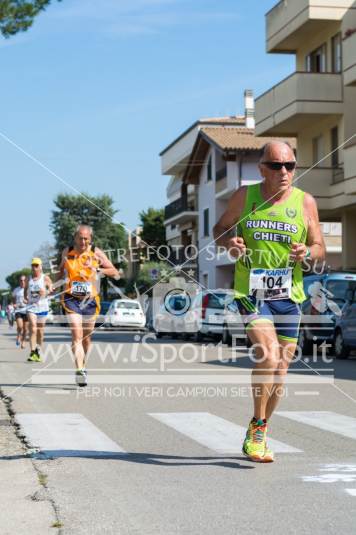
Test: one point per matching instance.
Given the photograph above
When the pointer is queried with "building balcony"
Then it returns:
(291, 23)
(319, 180)
(180, 211)
(298, 101)
(349, 59)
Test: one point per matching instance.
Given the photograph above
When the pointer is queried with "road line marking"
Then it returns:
(325, 420)
(214, 432)
(66, 434)
(306, 393)
(57, 391)
(352, 492)
(166, 378)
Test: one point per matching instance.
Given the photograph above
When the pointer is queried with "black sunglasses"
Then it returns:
(277, 166)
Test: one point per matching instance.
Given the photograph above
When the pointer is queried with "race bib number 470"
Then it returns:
(267, 284)
(81, 288)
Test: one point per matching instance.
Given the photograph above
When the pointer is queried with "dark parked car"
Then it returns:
(326, 296)
(345, 329)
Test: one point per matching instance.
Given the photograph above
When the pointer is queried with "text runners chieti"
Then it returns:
(82, 266)
(18, 299)
(37, 289)
(277, 228)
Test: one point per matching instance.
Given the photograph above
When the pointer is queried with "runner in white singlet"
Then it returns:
(38, 287)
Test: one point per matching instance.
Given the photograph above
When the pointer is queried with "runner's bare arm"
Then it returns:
(106, 267)
(49, 284)
(224, 228)
(315, 241)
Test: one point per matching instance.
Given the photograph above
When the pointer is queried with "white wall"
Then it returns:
(249, 170)
(220, 276)
(206, 199)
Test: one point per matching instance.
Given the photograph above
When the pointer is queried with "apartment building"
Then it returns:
(222, 160)
(181, 211)
(207, 163)
(317, 105)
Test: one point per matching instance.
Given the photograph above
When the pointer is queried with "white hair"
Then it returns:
(83, 226)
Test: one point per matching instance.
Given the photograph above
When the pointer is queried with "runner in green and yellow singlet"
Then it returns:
(277, 228)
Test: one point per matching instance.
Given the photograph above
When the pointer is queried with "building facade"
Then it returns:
(317, 105)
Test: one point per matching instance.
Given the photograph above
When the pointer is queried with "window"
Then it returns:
(336, 53)
(318, 149)
(220, 166)
(334, 144)
(206, 222)
(209, 175)
(316, 60)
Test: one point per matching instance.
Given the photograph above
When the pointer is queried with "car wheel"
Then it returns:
(226, 336)
(341, 350)
(198, 337)
(305, 345)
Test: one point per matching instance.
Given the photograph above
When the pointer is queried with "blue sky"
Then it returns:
(95, 90)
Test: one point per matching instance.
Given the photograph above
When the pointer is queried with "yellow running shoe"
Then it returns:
(254, 446)
(268, 456)
(34, 357)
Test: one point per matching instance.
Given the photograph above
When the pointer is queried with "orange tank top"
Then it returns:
(81, 273)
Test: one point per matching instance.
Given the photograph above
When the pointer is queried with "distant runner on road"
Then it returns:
(277, 228)
(37, 289)
(18, 299)
(82, 266)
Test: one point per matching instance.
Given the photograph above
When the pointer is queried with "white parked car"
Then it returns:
(220, 318)
(126, 313)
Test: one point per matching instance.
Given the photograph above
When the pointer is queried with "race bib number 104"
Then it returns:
(267, 284)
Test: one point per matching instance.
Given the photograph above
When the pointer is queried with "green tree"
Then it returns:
(153, 229)
(18, 15)
(144, 280)
(97, 212)
(13, 279)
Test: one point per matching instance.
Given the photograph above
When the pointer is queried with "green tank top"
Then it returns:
(269, 231)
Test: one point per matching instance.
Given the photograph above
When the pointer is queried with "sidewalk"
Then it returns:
(25, 507)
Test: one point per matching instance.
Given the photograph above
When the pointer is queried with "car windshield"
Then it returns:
(219, 300)
(127, 305)
(338, 288)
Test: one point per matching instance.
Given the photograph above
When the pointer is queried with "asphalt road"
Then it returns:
(152, 445)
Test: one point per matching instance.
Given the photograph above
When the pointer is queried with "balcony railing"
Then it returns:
(317, 180)
(338, 175)
(220, 174)
(178, 207)
(290, 23)
(296, 101)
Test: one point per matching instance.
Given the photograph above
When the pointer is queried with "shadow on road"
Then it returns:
(140, 458)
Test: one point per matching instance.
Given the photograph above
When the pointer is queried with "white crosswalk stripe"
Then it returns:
(66, 434)
(214, 432)
(352, 492)
(325, 420)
